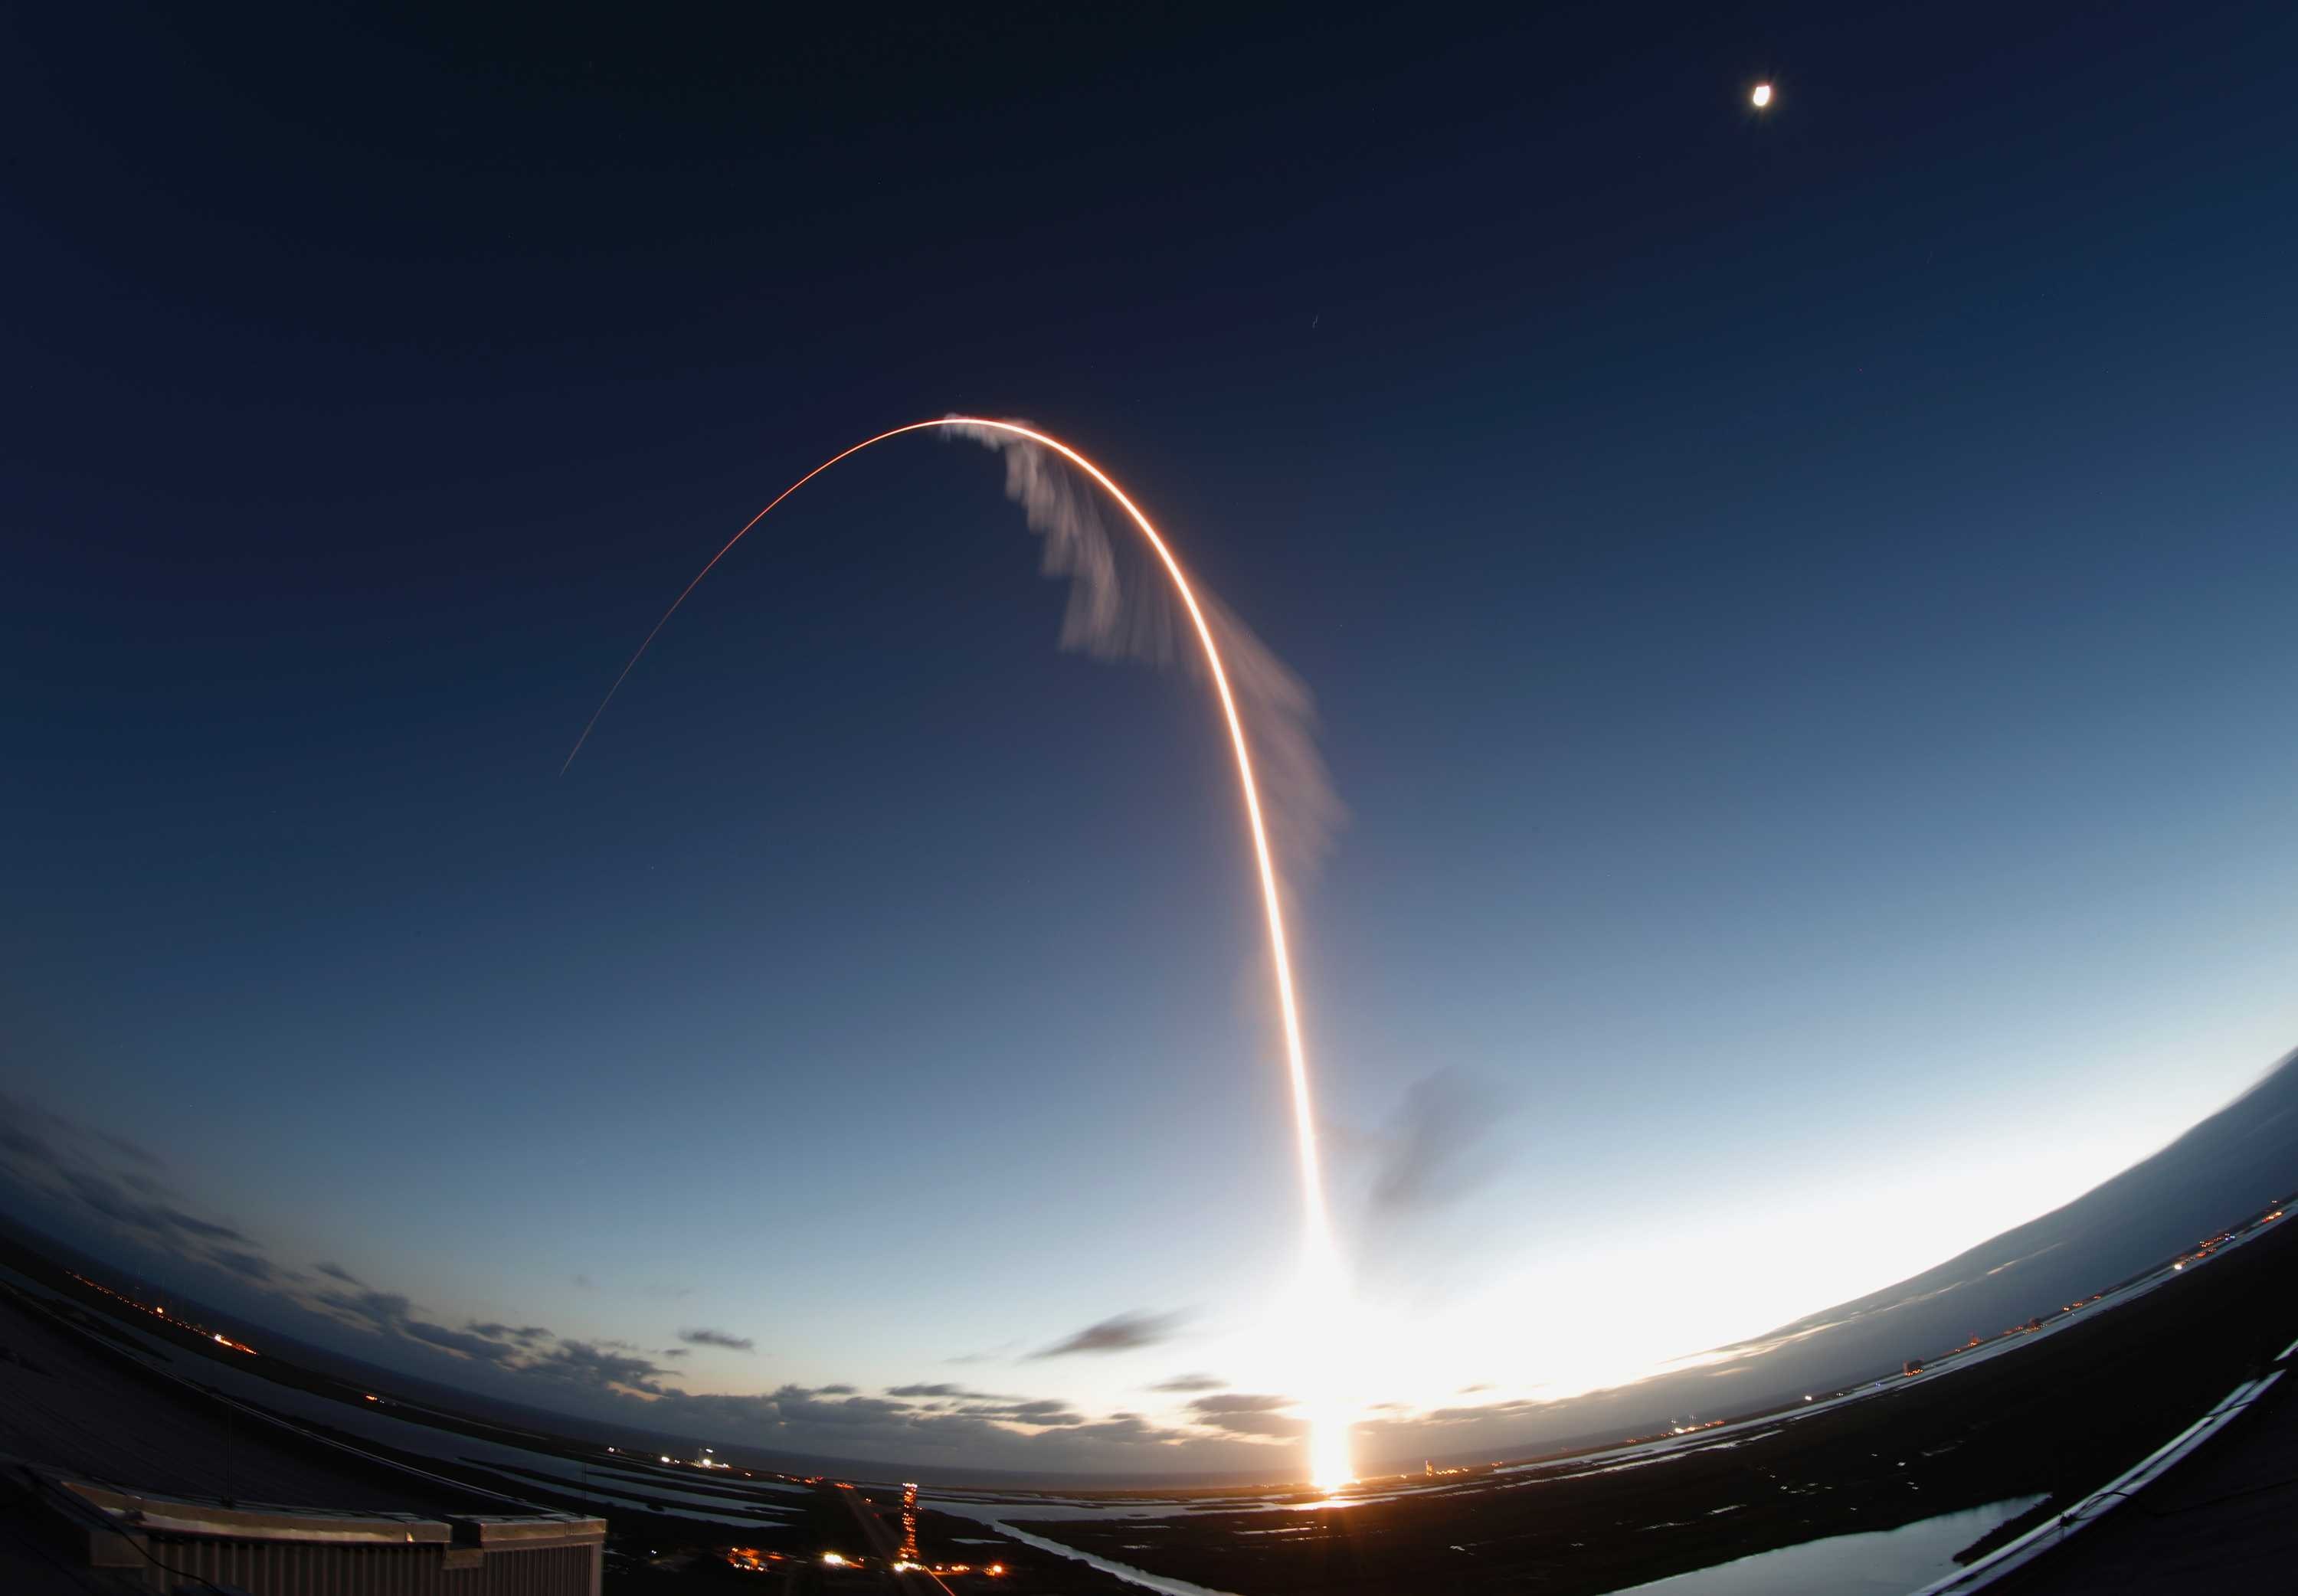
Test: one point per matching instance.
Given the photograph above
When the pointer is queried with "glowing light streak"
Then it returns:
(1329, 1420)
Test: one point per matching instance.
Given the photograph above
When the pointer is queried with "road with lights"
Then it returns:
(885, 1552)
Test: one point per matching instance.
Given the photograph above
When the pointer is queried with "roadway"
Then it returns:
(885, 1550)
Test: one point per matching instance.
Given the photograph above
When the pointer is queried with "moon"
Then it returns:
(1761, 96)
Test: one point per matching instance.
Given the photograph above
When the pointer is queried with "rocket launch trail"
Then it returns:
(1329, 1463)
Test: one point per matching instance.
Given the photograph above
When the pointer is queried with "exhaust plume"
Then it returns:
(1120, 609)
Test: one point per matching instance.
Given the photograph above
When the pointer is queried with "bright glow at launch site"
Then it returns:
(1320, 1332)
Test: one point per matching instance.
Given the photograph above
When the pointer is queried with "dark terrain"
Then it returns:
(2058, 1416)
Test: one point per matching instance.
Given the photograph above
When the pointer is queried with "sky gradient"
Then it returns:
(1797, 608)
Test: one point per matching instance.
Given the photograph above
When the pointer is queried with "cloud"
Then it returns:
(1192, 1383)
(380, 1311)
(247, 1265)
(460, 1341)
(721, 1338)
(1127, 1429)
(607, 1366)
(1044, 1431)
(942, 1388)
(1478, 1414)
(1242, 1413)
(1044, 1412)
(1122, 1334)
(996, 1354)
(107, 1178)
(800, 1404)
(159, 1221)
(1440, 1145)
(1239, 1402)
(524, 1334)
(336, 1271)
(582, 1363)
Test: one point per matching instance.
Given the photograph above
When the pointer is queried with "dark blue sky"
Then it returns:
(1799, 605)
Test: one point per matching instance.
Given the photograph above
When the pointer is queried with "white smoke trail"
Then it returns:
(1121, 608)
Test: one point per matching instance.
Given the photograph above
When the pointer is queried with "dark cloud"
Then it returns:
(944, 1389)
(815, 1417)
(1478, 1414)
(798, 1404)
(246, 1265)
(1244, 1413)
(526, 1335)
(581, 1363)
(1440, 1145)
(1239, 1402)
(381, 1311)
(798, 1416)
(461, 1341)
(514, 1348)
(336, 1271)
(722, 1338)
(1192, 1383)
(171, 1227)
(19, 1143)
(838, 1390)
(1122, 1334)
(996, 1354)
(1126, 1429)
(1045, 1411)
(109, 1177)
(127, 1149)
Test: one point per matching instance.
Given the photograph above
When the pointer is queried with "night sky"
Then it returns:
(1798, 606)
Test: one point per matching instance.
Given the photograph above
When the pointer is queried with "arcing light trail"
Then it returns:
(1329, 1463)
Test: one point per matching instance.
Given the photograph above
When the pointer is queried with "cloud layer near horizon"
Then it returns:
(112, 1185)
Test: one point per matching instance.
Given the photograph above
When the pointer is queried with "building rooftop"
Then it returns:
(120, 1471)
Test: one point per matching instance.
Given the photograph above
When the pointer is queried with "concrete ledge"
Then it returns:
(508, 1531)
(166, 1516)
(532, 1554)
